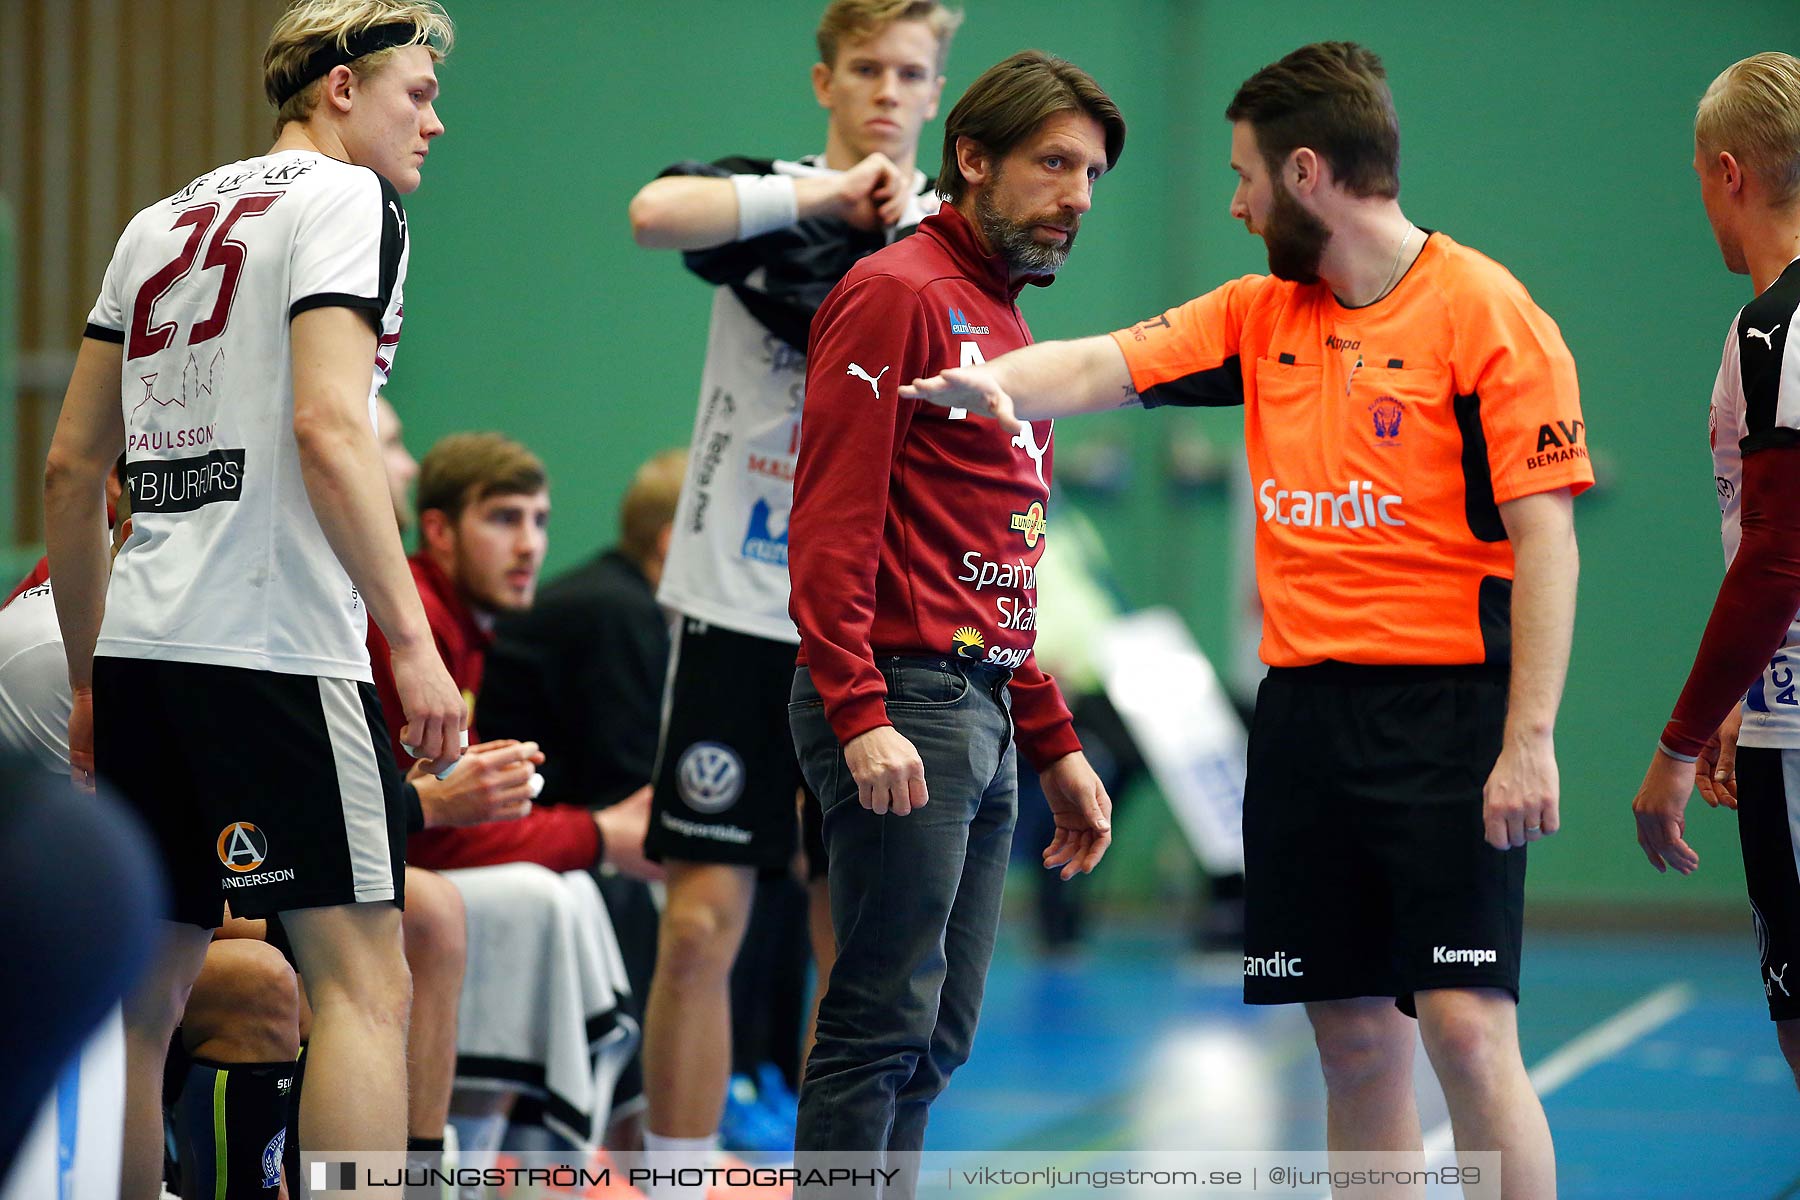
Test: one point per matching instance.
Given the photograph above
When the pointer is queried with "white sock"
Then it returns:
(675, 1154)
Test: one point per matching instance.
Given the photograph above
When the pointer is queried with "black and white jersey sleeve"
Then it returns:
(783, 276)
(349, 248)
(1756, 407)
(1769, 364)
(106, 320)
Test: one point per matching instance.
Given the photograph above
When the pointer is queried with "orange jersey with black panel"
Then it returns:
(1381, 442)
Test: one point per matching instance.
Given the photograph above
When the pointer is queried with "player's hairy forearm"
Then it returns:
(1060, 379)
(698, 212)
(684, 213)
(1546, 568)
(340, 463)
(75, 535)
(344, 480)
(89, 435)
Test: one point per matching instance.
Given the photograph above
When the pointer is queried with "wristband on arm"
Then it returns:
(1676, 754)
(765, 203)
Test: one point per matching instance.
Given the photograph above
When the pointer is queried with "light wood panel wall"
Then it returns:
(105, 107)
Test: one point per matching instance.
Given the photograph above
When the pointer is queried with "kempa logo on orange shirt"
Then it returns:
(1356, 508)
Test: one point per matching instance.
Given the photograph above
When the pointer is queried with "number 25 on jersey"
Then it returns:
(222, 252)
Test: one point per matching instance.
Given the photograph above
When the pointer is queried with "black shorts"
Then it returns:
(1367, 872)
(264, 790)
(726, 776)
(1769, 829)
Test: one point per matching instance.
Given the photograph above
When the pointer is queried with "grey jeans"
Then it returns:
(915, 903)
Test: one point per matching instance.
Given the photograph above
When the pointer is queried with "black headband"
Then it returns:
(376, 37)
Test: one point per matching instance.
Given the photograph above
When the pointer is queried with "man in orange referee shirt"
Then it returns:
(1415, 438)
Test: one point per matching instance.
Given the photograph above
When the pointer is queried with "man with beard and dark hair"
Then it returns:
(914, 592)
(1415, 439)
(772, 236)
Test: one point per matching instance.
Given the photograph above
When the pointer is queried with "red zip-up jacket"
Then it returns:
(561, 837)
(916, 529)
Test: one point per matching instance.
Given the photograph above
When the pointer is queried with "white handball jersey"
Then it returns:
(1756, 404)
(35, 698)
(226, 563)
(727, 561)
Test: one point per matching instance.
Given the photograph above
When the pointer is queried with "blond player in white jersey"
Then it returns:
(242, 330)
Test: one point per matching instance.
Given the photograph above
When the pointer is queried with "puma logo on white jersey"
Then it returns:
(872, 380)
(1768, 338)
(399, 217)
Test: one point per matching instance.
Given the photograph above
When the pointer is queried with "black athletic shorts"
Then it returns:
(264, 790)
(1769, 829)
(1367, 872)
(726, 775)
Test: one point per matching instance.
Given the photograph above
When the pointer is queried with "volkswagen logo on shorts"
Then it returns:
(242, 846)
(710, 777)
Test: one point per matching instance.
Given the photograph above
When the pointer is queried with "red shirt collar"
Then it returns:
(953, 231)
(431, 578)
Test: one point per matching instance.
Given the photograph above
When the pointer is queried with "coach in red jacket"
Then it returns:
(913, 550)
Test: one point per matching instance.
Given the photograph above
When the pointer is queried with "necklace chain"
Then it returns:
(1394, 270)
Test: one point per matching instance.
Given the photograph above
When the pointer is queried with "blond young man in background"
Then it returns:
(228, 644)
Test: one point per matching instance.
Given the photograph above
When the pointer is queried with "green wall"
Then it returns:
(1554, 137)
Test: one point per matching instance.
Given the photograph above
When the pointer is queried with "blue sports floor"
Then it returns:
(1655, 1057)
